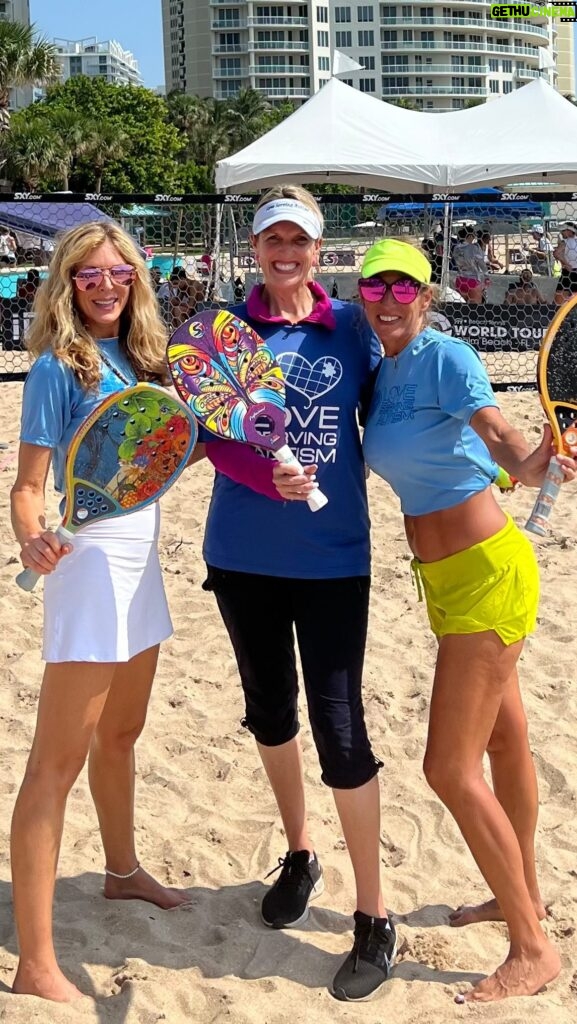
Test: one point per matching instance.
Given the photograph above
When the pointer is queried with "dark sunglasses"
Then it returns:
(374, 289)
(92, 277)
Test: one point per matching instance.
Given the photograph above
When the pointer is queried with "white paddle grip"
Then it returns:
(537, 522)
(316, 499)
(28, 578)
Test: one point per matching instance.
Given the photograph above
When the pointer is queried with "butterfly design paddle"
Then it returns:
(228, 376)
(557, 382)
(125, 455)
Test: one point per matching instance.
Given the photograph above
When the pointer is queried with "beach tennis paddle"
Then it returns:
(125, 455)
(557, 382)
(230, 379)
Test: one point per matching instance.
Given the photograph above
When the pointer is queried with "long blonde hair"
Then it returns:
(57, 324)
(292, 192)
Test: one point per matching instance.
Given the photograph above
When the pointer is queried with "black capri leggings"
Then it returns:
(330, 620)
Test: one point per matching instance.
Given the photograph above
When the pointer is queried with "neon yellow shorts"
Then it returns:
(493, 585)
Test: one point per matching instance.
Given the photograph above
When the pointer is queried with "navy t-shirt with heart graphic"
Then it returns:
(328, 374)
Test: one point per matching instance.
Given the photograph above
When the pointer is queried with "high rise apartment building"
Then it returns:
(107, 60)
(438, 55)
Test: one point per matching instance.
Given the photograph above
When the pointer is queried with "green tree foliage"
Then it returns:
(99, 137)
(135, 146)
(402, 102)
(30, 153)
(25, 59)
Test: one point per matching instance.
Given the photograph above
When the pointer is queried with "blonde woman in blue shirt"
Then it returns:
(435, 433)
(96, 330)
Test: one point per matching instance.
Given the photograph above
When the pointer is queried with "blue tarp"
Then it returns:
(47, 219)
(506, 211)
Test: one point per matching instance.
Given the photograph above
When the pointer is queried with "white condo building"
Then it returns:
(15, 10)
(438, 55)
(107, 60)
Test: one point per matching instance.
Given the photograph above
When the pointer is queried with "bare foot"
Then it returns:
(45, 983)
(489, 911)
(143, 886)
(522, 975)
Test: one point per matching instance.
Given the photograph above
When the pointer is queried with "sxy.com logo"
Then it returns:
(565, 12)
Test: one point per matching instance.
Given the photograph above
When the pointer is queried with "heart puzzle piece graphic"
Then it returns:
(310, 379)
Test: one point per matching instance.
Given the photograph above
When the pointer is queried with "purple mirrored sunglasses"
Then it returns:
(374, 289)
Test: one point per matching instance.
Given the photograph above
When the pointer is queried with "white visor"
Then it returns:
(287, 209)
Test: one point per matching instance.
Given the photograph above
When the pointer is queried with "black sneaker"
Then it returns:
(370, 961)
(286, 904)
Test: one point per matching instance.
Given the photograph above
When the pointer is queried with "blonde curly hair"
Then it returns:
(57, 325)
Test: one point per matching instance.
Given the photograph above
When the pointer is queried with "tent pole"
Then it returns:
(447, 217)
(232, 245)
(177, 236)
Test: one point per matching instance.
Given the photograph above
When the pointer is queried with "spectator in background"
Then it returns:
(471, 267)
(46, 250)
(27, 288)
(433, 249)
(180, 297)
(566, 253)
(486, 242)
(156, 279)
(541, 254)
(239, 289)
(7, 247)
(523, 292)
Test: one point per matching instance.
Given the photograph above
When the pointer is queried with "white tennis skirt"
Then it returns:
(105, 601)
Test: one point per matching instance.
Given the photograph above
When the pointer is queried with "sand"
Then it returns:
(206, 819)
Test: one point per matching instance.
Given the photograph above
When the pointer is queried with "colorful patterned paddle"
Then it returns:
(126, 454)
(228, 376)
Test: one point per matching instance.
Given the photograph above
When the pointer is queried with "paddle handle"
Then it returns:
(316, 499)
(28, 578)
(537, 522)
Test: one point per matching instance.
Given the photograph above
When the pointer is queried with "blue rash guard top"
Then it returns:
(328, 372)
(418, 435)
(55, 403)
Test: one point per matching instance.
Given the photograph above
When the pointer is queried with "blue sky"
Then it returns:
(135, 24)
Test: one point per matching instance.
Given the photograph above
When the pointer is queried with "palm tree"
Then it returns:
(246, 116)
(70, 134)
(188, 114)
(25, 59)
(105, 143)
(31, 153)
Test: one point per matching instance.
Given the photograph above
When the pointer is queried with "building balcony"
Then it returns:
(434, 90)
(227, 94)
(526, 73)
(435, 69)
(226, 25)
(279, 69)
(290, 93)
(277, 44)
(448, 47)
(288, 22)
(472, 24)
(229, 48)
(229, 73)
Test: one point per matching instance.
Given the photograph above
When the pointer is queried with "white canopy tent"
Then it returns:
(344, 136)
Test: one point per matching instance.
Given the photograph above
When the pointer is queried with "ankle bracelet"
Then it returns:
(130, 874)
